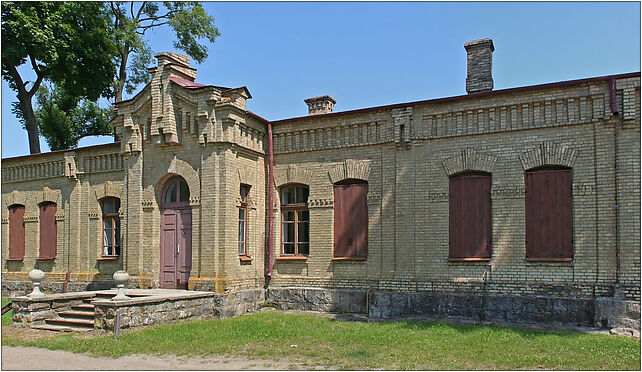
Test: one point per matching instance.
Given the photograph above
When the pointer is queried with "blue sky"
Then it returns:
(371, 54)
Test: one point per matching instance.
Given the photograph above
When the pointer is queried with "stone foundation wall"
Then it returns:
(606, 312)
(317, 299)
(617, 313)
(168, 310)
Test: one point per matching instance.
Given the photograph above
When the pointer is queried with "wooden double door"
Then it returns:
(176, 236)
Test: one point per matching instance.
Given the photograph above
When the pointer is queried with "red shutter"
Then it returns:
(339, 221)
(470, 216)
(482, 218)
(17, 232)
(48, 231)
(454, 226)
(351, 220)
(360, 222)
(533, 223)
(549, 214)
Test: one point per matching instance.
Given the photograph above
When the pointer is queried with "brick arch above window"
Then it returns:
(287, 174)
(176, 167)
(14, 197)
(48, 195)
(350, 169)
(469, 160)
(108, 190)
(548, 153)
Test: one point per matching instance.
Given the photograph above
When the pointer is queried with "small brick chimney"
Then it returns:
(320, 105)
(480, 65)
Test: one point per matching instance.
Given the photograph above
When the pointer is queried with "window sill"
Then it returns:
(469, 259)
(292, 258)
(15, 259)
(549, 259)
(245, 258)
(349, 258)
(107, 258)
(45, 258)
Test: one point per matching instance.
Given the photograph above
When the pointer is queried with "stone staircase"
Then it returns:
(79, 318)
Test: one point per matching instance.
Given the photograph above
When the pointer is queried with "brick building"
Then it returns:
(519, 204)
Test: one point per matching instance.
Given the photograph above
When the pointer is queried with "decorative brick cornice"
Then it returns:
(402, 118)
(437, 195)
(351, 169)
(321, 203)
(508, 192)
(548, 153)
(469, 160)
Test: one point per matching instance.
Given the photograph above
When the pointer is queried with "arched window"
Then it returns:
(549, 214)
(176, 192)
(16, 232)
(295, 221)
(469, 217)
(111, 227)
(48, 230)
(351, 219)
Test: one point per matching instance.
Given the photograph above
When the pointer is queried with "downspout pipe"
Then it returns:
(615, 111)
(270, 201)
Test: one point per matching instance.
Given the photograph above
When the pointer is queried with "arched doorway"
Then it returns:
(176, 234)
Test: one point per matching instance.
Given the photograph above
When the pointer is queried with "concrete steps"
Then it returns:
(72, 322)
(58, 328)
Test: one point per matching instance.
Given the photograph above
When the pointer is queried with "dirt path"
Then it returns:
(31, 358)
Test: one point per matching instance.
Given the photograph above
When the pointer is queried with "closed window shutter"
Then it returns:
(48, 231)
(470, 216)
(360, 222)
(549, 214)
(351, 220)
(340, 229)
(17, 232)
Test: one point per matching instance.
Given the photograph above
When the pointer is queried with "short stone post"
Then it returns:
(36, 276)
(120, 277)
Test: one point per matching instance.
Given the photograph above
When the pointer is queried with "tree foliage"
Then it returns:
(87, 50)
(64, 119)
(67, 43)
(132, 20)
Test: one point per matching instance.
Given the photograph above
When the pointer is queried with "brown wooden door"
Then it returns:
(176, 235)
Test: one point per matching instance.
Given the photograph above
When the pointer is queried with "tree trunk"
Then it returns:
(31, 124)
(122, 76)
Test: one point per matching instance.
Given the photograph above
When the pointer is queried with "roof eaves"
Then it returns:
(466, 96)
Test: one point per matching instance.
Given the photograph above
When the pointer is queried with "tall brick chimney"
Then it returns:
(480, 65)
(320, 105)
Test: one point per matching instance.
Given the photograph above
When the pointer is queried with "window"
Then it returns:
(48, 230)
(295, 221)
(243, 219)
(177, 191)
(351, 220)
(111, 227)
(549, 214)
(16, 232)
(469, 217)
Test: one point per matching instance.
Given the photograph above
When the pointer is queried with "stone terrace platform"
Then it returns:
(76, 311)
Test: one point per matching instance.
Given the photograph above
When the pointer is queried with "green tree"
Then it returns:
(64, 119)
(67, 43)
(130, 22)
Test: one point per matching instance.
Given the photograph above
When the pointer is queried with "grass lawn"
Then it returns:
(354, 345)
(6, 318)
